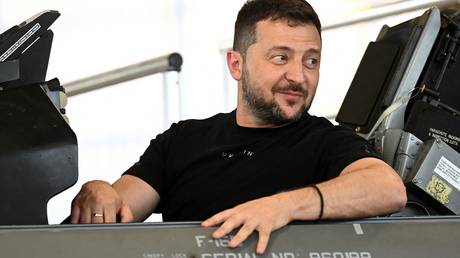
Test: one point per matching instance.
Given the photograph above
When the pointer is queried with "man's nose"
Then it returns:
(296, 73)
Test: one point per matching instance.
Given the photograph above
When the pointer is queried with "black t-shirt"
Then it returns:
(201, 167)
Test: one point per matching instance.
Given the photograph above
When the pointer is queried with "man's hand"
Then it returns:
(98, 202)
(264, 215)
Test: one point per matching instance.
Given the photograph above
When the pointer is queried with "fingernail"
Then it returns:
(216, 235)
(232, 244)
(259, 251)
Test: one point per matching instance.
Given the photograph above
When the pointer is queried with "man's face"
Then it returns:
(281, 71)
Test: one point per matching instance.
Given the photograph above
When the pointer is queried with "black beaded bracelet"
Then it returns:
(321, 200)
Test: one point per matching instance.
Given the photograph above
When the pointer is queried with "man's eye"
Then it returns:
(279, 59)
(311, 62)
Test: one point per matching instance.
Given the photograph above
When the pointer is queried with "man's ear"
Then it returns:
(235, 64)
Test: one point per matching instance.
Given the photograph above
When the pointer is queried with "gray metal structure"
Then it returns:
(437, 173)
(376, 238)
(412, 72)
(168, 65)
(170, 62)
(406, 154)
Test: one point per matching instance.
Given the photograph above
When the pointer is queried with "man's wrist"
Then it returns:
(287, 204)
(321, 200)
(303, 204)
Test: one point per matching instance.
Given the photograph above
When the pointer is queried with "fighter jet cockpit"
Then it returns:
(38, 149)
(404, 99)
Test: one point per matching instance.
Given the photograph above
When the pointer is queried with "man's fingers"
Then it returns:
(216, 219)
(264, 236)
(125, 214)
(97, 215)
(242, 234)
(110, 215)
(75, 215)
(85, 216)
(97, 202)
(258, 215)
(230, 224)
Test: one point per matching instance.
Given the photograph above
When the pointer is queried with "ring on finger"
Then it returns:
(98, 214)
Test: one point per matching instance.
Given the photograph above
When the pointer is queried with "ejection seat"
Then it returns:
(38, 149)
(404, 99)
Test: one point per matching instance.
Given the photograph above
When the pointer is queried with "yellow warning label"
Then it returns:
(439, 189)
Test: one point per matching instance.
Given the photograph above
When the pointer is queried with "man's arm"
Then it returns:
(131, 198)
(367, 187)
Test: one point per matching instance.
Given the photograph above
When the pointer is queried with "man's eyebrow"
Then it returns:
(314, 51)
(285, 48)
(277, 48)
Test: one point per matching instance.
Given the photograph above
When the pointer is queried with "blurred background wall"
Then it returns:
(114, 125)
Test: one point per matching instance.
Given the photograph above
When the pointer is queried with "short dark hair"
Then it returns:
(253, 11)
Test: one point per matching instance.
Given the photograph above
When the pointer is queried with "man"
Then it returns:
(267, 163)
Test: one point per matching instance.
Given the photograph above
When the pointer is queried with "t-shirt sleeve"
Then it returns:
(341, 147)
(151, 166)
